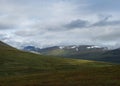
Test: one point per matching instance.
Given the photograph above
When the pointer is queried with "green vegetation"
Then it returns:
(107, 76)
(18, 68)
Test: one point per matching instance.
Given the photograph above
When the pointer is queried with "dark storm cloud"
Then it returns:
(77, 24)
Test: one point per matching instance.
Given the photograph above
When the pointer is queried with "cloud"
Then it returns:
(103, 5)
(8, 22)
(103, 21)
(4, 36)
(77, 24)
(59, 22)
(112, 34)
(106, 22)
(4, 26)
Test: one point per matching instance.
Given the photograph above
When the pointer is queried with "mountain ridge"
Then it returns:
(86, 52)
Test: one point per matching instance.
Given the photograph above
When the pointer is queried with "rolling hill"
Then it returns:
(28, 69)
(13, 61)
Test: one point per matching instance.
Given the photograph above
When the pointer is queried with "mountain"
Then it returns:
(32, 49)
(5, 46)
(111, 56)
(38, 50)
(87, 52)
(73, 51)
(66, 50)
(20, 68)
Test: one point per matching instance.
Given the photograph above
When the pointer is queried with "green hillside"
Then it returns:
(96, 54)
(28, 69)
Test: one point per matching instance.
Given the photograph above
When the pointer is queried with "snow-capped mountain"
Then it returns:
(88, 52)
(65, 49)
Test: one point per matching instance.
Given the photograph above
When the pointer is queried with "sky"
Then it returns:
(44, 23)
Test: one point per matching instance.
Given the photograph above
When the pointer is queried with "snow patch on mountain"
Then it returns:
(77, 49)
(73, 47)
(91, 47)
(61, 47)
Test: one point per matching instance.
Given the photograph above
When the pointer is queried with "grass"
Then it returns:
(18, 68)
(106, 76)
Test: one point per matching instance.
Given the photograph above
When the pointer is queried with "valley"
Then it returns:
(28, 69)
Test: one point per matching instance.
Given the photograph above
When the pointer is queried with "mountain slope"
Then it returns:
(13, 61)
(4, 46)
(18, 68)
(112, 56)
